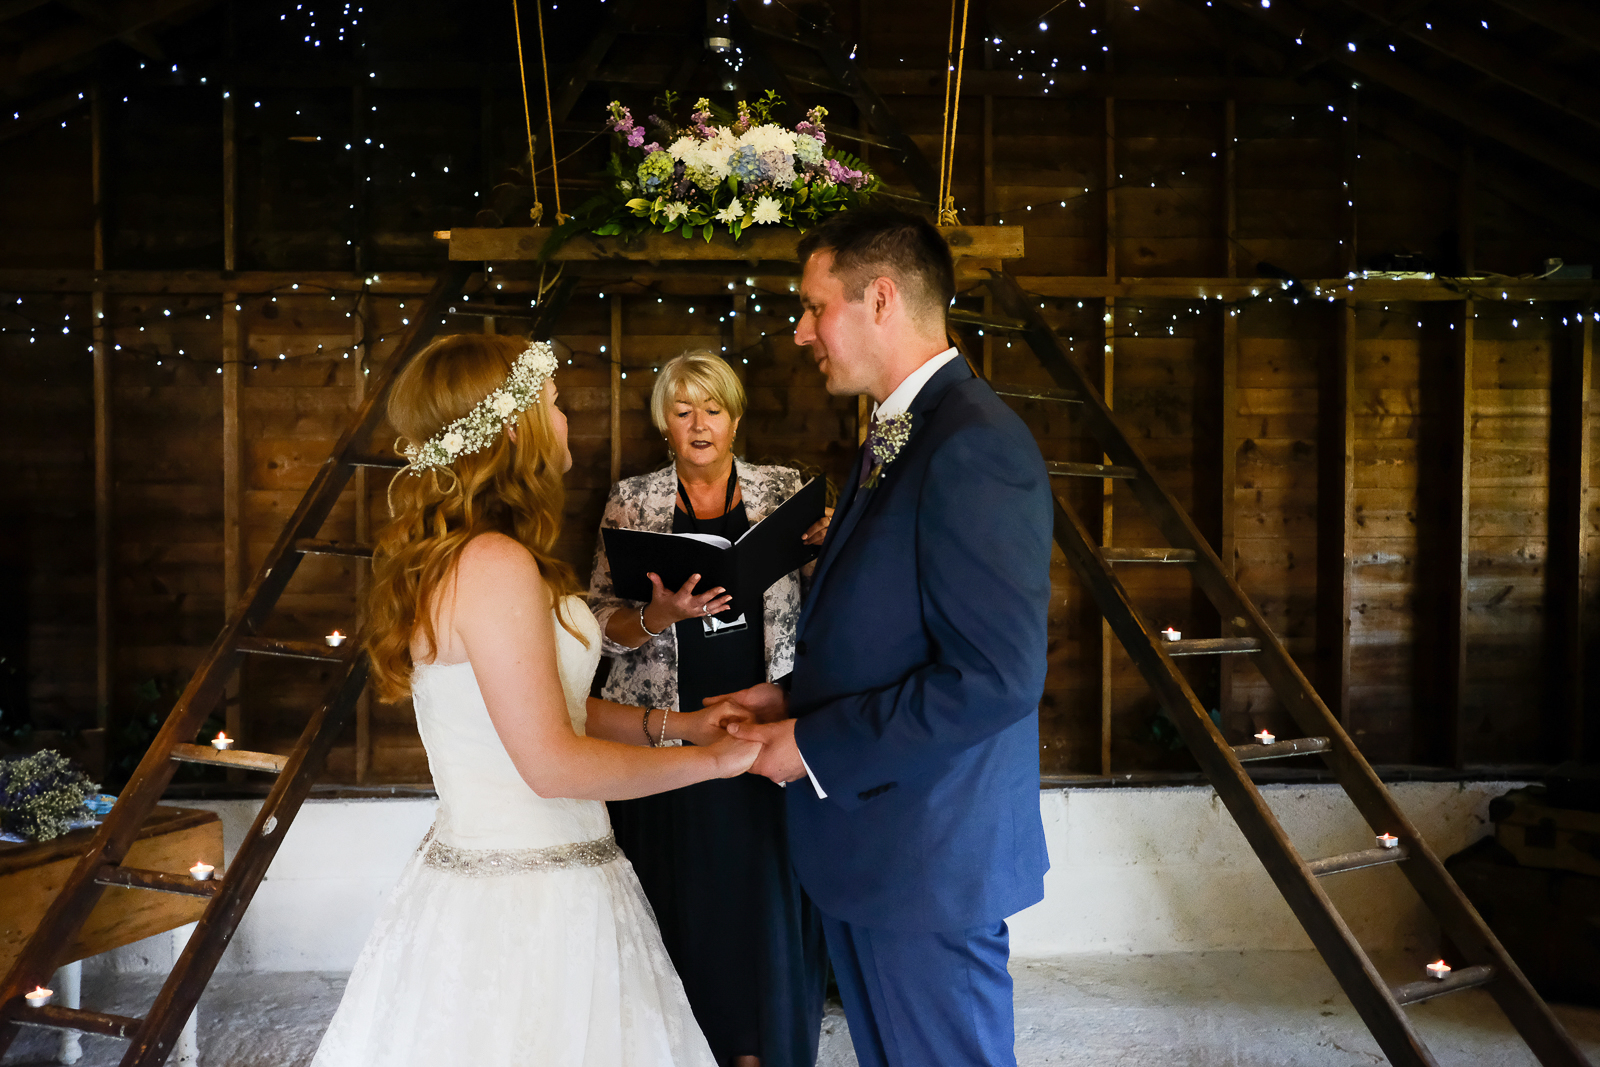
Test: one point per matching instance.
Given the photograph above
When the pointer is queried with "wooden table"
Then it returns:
(171, 839)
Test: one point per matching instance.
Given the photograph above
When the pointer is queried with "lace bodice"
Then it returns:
(483, 801)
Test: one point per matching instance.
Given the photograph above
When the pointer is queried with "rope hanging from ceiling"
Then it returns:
(527, 111)
(954, 55)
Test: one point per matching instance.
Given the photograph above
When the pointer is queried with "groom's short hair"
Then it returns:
(870, 243)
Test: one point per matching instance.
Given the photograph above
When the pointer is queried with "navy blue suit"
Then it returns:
(920, 661)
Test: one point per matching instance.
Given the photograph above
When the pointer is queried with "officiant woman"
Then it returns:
(713, 858)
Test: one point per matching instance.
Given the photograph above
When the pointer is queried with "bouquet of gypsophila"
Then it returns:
(721, 170)
(42, 795)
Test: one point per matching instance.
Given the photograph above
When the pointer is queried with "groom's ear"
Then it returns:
(884, 295)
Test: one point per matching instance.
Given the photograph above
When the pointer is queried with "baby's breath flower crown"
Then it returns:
(477, 429)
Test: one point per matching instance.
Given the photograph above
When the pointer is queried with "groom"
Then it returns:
(919, 663)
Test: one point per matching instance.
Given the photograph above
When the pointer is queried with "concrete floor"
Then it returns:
(1252, 1009)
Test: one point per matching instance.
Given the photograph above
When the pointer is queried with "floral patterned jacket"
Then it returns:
(648, 675)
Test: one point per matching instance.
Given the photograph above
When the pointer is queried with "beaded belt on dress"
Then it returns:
(486, 862)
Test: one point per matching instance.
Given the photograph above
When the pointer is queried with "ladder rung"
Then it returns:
(273, 646)
(1428, 988)
(1299, 746)
(90, 1022)
(374, 459)
(159, 881)
(1089, 470)
(314, 546)
(248, 761)
(1148, 555)
(1028, 392)
(1355, 861)
(1211, 646)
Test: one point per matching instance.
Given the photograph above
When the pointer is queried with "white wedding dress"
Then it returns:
(518, 935)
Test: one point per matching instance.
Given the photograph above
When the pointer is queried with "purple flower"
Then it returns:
(635, 137)
(651, 147)
(843, 175)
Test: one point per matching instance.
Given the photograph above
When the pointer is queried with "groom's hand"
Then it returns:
(780, 757)
(762, 702)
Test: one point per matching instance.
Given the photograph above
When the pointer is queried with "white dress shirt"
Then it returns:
(893, 404)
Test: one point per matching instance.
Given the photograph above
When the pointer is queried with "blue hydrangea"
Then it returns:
(655, 171)
(746, 163)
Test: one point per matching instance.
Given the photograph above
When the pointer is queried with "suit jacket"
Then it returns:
(648, 676)
(919, 666)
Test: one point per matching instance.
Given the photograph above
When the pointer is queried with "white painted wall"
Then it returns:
(1132, 870)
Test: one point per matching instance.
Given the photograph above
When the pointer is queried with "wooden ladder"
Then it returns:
(228, 893)
(1298, 879)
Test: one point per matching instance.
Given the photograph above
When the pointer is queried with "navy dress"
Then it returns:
(713, 859)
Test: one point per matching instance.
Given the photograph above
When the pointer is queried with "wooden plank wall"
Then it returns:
(1231, 402)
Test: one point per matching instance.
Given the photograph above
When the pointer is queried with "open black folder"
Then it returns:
(745, 568)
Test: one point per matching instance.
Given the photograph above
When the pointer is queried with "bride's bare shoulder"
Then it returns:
(493, 561)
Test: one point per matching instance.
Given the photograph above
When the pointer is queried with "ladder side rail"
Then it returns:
(1532, 1017)
(1357, 976)
(189, 977)
(79, 894)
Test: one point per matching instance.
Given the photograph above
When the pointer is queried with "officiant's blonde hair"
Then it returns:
(698, 374)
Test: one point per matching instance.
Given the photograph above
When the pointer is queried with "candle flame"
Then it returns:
(336, 633)
(40, 991)
(222, 735)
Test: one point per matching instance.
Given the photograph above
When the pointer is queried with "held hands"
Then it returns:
(705, 729)
(762, 702)
(667, 607)
(779, 758)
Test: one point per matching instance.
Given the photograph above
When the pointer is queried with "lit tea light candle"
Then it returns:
(222, 742)
(335, 639)
(1169, 634)
(201, 872)
(39, 997)
(1266, 737)
(1387, 841)
(1438, 969)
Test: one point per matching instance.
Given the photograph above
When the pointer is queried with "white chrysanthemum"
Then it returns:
(710, 158)
(768, 210)
(681, 148)
(503, 404)
(452, 442)
(732, 213)
(676, 210)
(768, 136)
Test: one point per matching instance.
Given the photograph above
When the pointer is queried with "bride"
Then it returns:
(518, 933)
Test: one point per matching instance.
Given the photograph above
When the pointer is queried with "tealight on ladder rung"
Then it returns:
(1455, 981)
(1355, 861)
(1298, 746)
(248, 761)
(156, 881)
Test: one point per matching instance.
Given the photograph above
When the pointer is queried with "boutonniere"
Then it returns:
(884, 441)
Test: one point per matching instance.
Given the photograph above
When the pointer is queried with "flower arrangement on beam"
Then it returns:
(721, 171)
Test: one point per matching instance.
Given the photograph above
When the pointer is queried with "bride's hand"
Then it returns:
(733, 756)
(707, 726)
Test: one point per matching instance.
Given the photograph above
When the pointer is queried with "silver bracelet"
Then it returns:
(664, 713)
(645, 628)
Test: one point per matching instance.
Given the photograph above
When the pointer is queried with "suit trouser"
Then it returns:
(925, 999)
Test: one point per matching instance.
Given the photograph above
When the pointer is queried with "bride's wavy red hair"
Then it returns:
(511, 488)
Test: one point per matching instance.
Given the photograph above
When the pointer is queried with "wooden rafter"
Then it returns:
(1484, 54)
(1574, 19)
(76, 41)
(566, 97)
(1500, 125)
(136, 38)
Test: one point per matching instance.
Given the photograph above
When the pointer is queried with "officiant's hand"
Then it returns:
(819, 529)
(780, 757)
(706, 726)
(762, 702)
(667, 607)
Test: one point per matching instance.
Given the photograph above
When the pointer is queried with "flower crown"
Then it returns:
(477, 429)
